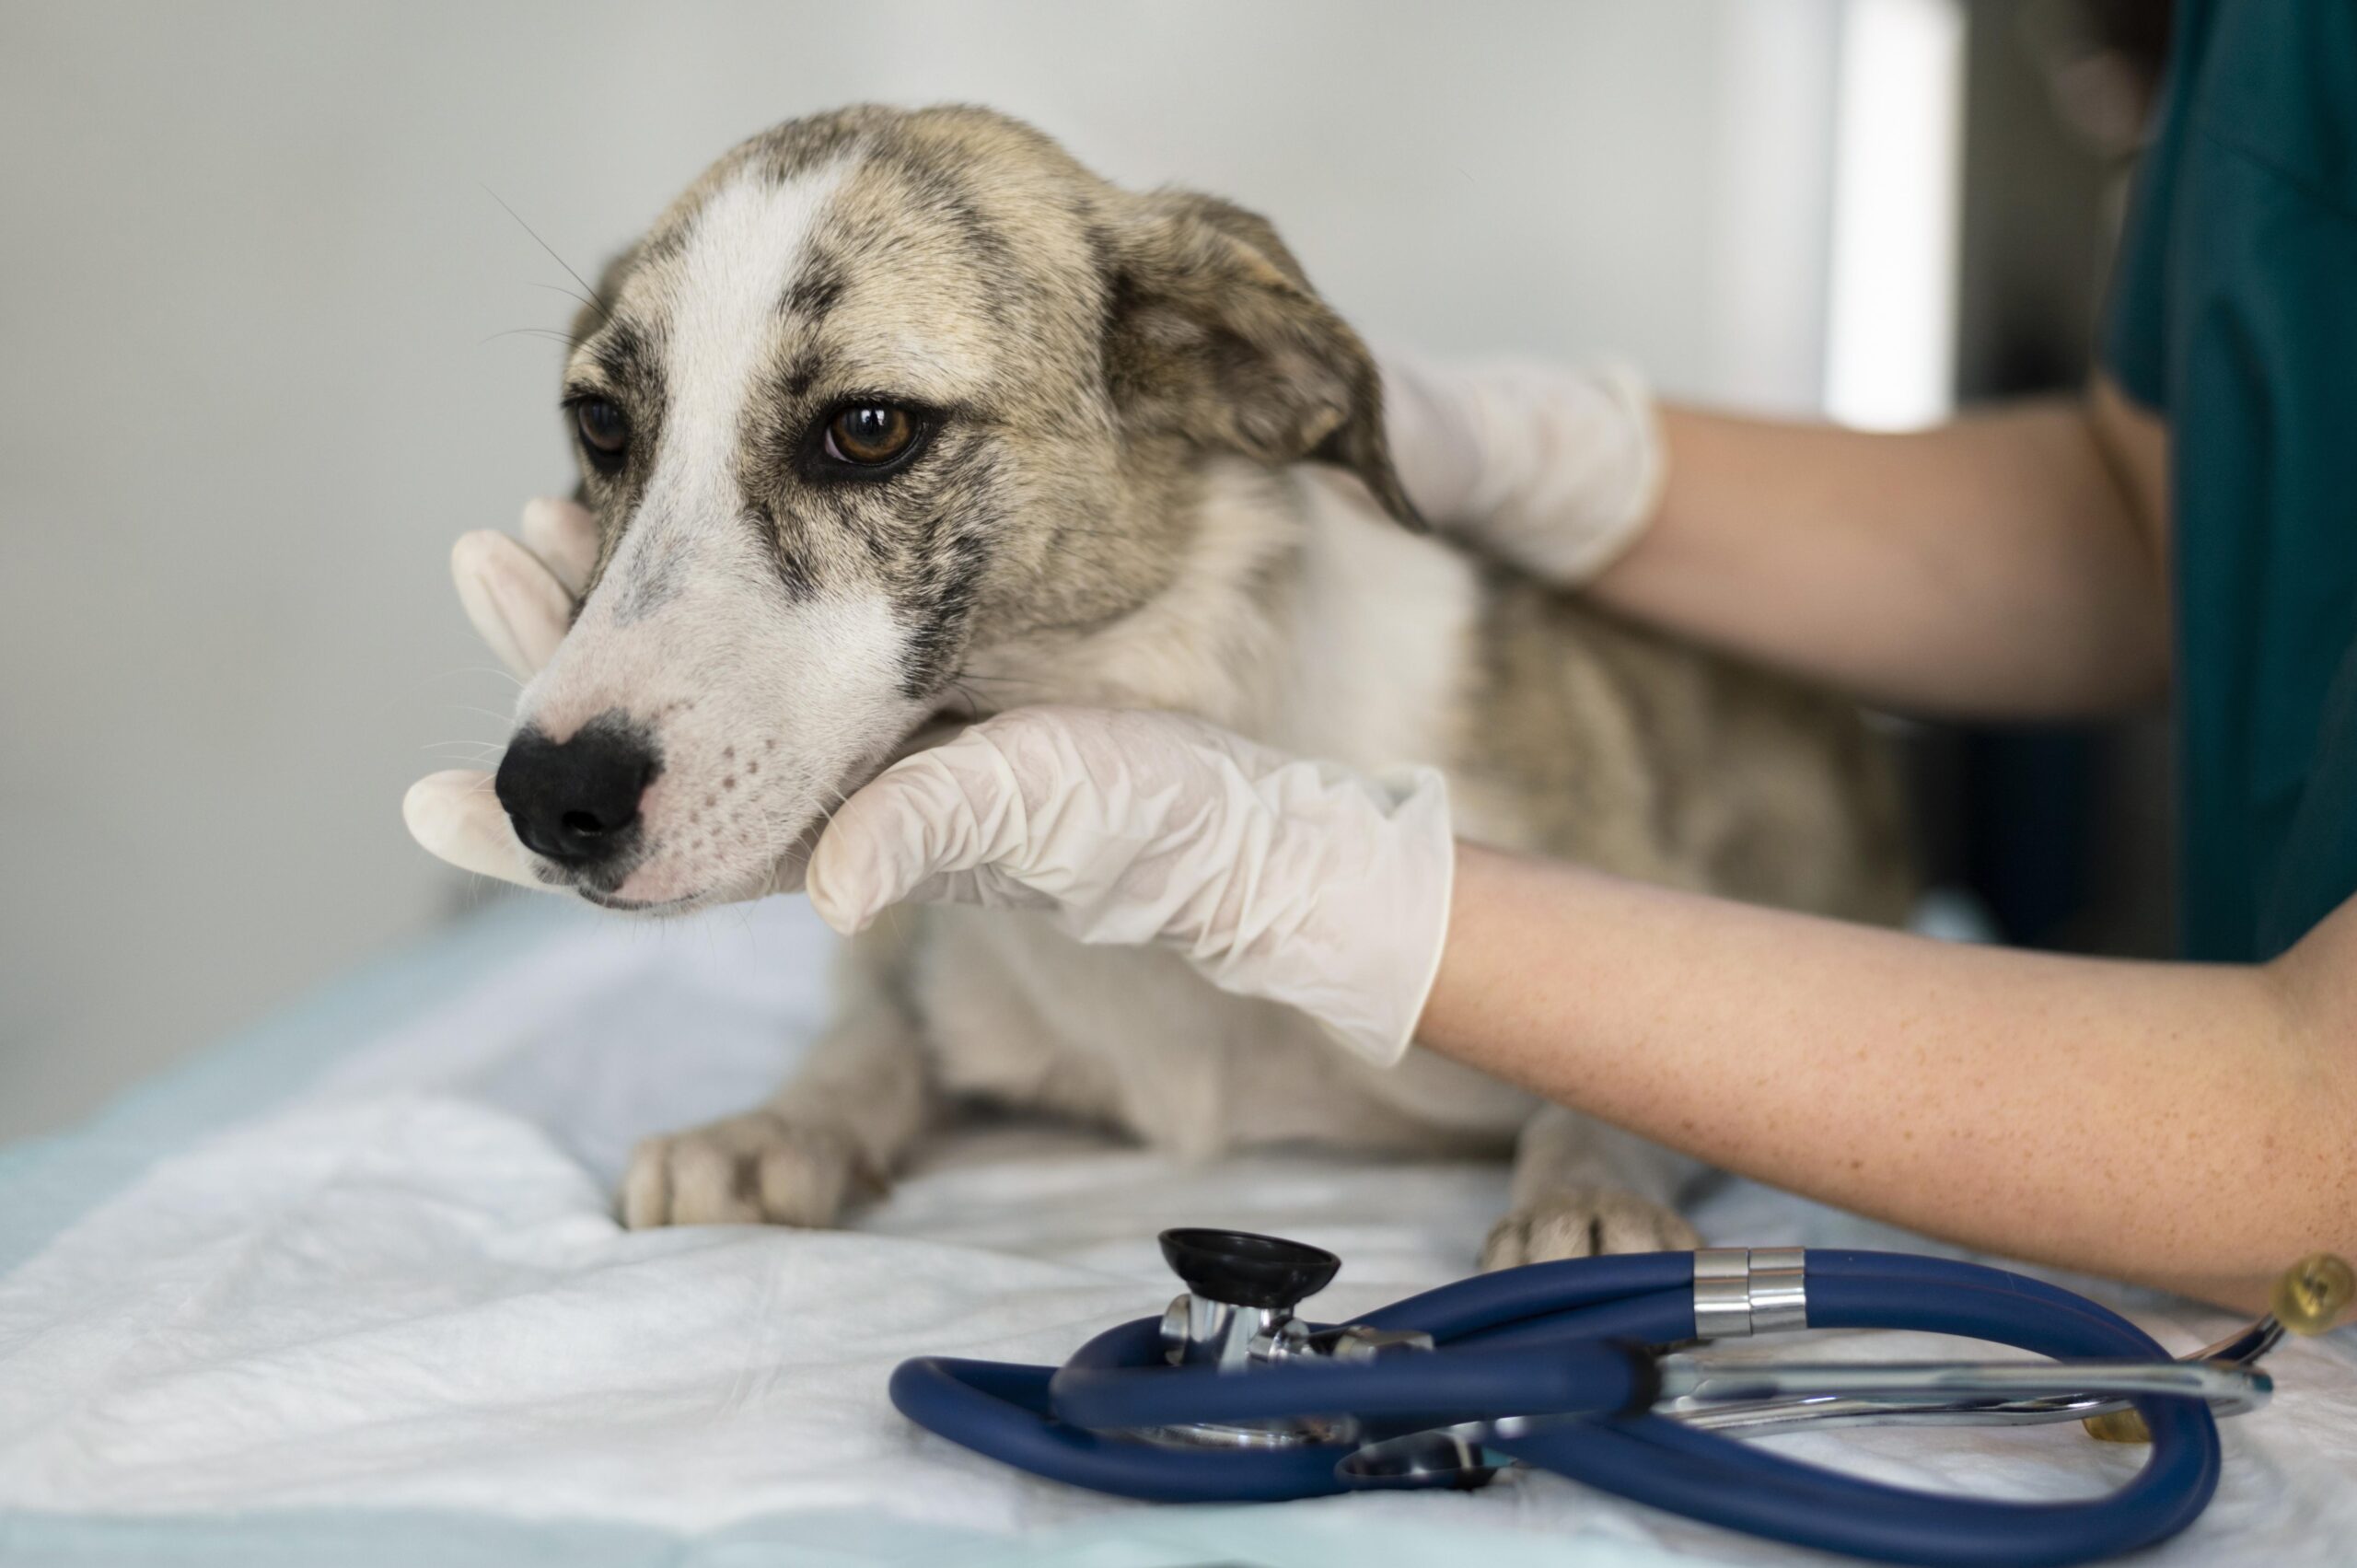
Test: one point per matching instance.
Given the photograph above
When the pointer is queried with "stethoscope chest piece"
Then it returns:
(1238, 1313)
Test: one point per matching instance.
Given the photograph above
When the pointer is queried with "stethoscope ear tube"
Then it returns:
(1001, 1409)
(1651, 1460)
(1096, 1389)
(1599, 1289)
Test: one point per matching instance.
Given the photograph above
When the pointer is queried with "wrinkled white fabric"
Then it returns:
(1294, 881)
(394, 1282)
(1556, 470)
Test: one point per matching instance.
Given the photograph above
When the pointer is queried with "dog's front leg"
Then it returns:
(1582, 1188)
(835, 1130)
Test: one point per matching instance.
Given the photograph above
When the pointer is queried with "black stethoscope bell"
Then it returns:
(1241, 1268)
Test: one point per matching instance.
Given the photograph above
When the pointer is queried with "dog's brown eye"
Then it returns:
(603, 429)
(869, 434)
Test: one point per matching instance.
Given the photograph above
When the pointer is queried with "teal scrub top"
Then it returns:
(2234, 313)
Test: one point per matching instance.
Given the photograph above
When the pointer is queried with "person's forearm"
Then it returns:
(2006, 564)
(2189, 1127)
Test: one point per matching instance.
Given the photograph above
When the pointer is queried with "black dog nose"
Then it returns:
(575, 801)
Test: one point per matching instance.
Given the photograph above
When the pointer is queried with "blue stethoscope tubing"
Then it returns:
(1562, 1338)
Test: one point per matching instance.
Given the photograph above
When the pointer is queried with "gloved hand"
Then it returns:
(1294, 881)
(1557, 471)
(520, 598)
(1299, 882)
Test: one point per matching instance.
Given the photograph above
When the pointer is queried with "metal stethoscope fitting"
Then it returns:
(1237, 1312)
(1578, 1367)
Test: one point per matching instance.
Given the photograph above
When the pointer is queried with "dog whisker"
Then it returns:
(569, 293)
(544, 245)
(504, 719)
(548, 332)
(999, 680)
(508, 675)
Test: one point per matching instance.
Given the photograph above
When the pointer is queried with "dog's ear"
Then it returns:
(1212, 332)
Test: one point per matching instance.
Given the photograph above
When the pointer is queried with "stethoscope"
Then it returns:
(1569, 1366)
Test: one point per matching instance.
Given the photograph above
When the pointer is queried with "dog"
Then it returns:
(900, 418)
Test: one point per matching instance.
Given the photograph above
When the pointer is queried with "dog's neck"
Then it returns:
(1299, 615)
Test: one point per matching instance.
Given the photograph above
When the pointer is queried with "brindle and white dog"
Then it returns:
(896, 416)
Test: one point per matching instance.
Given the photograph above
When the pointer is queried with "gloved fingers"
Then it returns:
(1434, 445)
(563, 534)
(1050, 806)
(792, 872)
(950, 810)
(1299, 882)
(517, 603)
(1557, 469)
(983, 887)
(457, 818)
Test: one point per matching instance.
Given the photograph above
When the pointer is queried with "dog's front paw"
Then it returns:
(744, 1170)
(1584, 1222)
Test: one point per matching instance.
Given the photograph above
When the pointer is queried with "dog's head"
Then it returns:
(881, 392)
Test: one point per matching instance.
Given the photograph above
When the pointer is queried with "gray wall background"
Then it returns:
(253, 284)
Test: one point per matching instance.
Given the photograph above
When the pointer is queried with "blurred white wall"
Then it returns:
(252, 280)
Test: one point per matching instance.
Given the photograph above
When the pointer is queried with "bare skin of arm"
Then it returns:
(2011, 563)
(2188, 1127)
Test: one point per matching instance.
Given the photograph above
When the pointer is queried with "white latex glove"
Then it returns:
(1294, 881)
(521, 599)
(1555, 471)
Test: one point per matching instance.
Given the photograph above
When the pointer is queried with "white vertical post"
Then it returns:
(1890, 317)
(1774, 248)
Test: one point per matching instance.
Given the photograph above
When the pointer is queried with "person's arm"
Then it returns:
(2008, 563)
(2011, 564)
(2190, 1127)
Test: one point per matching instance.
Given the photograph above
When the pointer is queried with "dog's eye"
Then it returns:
(867, 435)
(604, 432)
